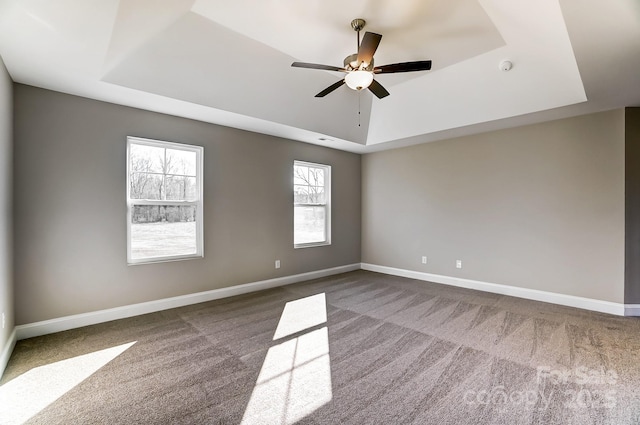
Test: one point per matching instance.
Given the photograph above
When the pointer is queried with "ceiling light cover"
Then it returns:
(358, 80)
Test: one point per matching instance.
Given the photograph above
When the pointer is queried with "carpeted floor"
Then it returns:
(360, 348)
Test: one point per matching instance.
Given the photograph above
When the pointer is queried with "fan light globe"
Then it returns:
(358, 80)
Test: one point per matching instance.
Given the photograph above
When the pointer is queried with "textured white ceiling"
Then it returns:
(229, 62)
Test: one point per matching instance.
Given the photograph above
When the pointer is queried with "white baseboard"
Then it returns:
(6, 351)
(71, 322)
(632, 309)
(76, 321)
(609, 307)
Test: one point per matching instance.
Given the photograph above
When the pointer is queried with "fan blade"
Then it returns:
(331, 88)
(368, 47)
(377, 89)
(317, 66)
(403, 67)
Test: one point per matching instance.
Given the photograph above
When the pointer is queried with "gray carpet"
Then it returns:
(391, 350)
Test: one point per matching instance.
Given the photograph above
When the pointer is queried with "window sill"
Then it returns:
(311, 245)
(163, 260)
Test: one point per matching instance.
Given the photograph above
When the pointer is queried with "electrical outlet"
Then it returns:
(458, 264)
(277, 264)
(424, 259)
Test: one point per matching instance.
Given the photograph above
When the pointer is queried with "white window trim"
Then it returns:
(327, 205)
(199, 150)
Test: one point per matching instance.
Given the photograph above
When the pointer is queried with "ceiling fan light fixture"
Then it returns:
(358, 80)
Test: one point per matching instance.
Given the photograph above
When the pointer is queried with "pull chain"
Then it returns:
(359, 96)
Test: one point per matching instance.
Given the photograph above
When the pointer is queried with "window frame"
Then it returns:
(198, 203)
(326, 205)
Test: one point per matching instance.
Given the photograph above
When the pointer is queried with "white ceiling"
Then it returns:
(228, 62)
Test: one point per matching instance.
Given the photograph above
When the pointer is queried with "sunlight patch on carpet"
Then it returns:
(25, 396)
(295, 379)
(301, 314)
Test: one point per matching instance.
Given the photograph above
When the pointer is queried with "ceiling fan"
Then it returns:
(359, 66)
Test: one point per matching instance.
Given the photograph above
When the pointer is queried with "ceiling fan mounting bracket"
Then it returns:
(358, 24)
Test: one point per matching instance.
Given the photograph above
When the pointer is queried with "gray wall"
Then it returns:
(70, 229)
(632, 213)
(538, 207)
(6, 141)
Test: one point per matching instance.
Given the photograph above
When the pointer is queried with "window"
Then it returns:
(311, 204)
(164, 201)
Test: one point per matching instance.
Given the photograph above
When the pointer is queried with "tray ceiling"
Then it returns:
(229, 62)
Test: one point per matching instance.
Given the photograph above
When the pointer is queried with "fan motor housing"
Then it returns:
(351, 63)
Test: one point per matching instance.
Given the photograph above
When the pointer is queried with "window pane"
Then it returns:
(316, 195)
(309, 225)
(316, 176)
(300, 194)
(181, 162)
(146, 186)
(160, 231)
(144, 158)
(181, 188)
(300, 175)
